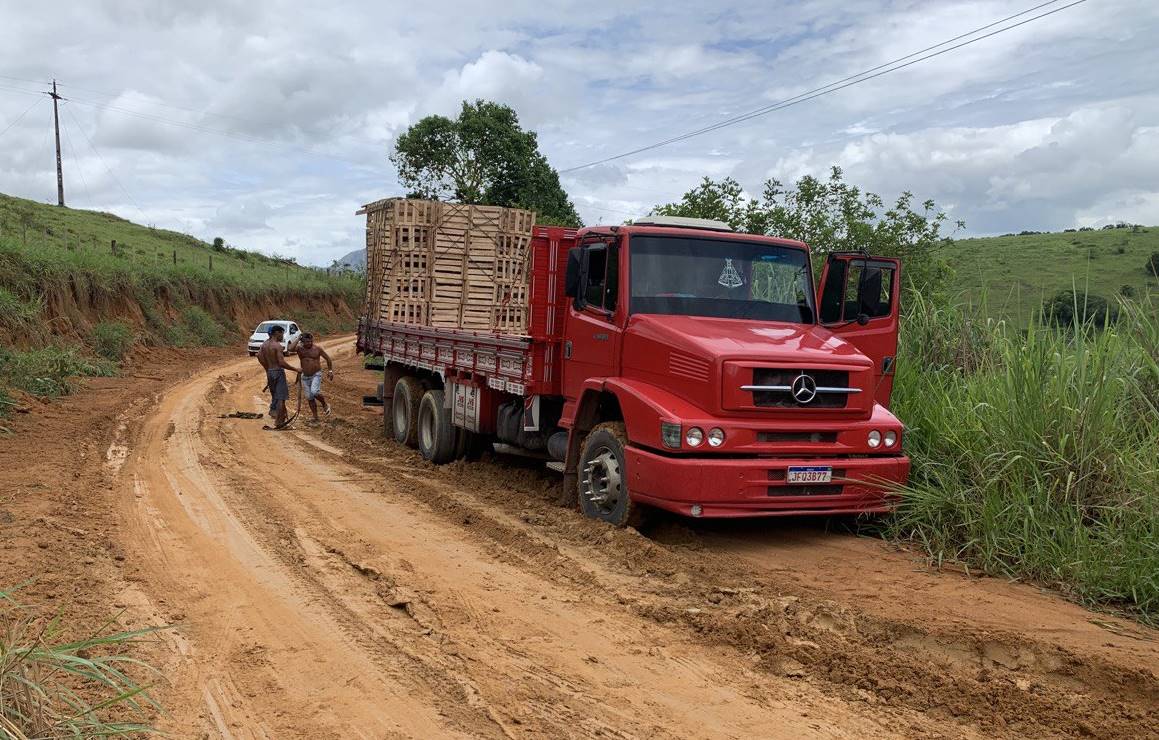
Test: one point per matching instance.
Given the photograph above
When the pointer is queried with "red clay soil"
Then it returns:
(325, 582)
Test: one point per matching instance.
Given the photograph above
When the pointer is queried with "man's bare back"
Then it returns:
(270, 354)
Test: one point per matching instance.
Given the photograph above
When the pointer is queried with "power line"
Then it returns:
(105, 164)
(76, 162)
(22, 115)
(863, 76)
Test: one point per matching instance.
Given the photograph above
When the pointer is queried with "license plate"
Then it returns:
(810, 474)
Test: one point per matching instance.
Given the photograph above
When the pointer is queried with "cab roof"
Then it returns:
(689, 231)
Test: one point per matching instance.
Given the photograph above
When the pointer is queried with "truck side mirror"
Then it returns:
(571, 280)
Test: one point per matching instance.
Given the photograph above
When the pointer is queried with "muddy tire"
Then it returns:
(404, 409)
(603, 477)
(436, 433)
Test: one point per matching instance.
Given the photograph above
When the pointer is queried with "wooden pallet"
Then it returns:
(448, 265)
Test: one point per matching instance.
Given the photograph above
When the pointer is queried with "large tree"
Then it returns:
(830, 216)
(484, 157)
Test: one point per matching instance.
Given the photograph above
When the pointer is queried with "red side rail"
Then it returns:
(524, 366)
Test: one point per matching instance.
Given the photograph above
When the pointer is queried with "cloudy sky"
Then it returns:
(268, 122)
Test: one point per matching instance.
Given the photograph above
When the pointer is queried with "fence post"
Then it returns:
(113, 247)
(211, 263)
(174, 256)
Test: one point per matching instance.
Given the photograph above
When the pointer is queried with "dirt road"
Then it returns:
(327, 583)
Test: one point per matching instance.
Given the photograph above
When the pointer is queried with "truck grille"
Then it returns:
(783, 379)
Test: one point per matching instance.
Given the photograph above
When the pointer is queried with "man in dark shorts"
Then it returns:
(272, 358)
(310, 356)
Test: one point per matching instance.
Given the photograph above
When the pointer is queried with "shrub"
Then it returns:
(112, 340)
(1127, 291)
(1152, 264)
(202, 330)
(53, 687)
(48, 371)
(18, 315)
(1069, 308)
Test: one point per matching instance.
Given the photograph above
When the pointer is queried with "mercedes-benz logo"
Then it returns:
(804, 388)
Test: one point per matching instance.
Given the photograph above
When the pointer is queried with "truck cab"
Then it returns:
(704, 373)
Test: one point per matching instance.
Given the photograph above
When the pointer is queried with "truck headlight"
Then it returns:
(694, 437)
(670, 435)
(875, 439)
(890, 438)
(715, 437)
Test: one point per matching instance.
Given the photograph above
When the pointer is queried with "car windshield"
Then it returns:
(722, 278)
(265, 328)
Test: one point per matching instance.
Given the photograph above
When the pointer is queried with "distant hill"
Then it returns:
(356, 261)
(1013, 273)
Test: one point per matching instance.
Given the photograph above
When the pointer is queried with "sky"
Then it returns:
(269, 122)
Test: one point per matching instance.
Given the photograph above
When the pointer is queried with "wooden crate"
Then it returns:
(448, 265)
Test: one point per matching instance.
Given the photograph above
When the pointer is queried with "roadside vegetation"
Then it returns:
(56, 686)
(1028, 381)
(1035, 452)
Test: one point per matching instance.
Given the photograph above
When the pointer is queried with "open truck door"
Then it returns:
(860, 299)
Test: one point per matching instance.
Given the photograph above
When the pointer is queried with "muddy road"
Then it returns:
(324, 582)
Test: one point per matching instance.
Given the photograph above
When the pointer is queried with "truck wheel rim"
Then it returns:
(400, 414)
(603, 484)
(426, 428)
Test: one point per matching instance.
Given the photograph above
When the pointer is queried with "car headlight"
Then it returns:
(875, 439)
(670, 434)
(890, 438)
(694, 437)
(715, 437)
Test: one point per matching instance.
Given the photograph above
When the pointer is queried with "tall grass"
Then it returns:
(49, 371)
(1035, 452)
(55, 687)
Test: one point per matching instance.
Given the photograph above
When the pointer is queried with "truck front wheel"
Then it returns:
(404, 410)
(436, 432)
(603, 476)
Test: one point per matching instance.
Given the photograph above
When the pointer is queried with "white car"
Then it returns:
(262, 333)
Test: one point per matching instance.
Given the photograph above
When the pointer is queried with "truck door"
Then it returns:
(592, 339)
(860, 298)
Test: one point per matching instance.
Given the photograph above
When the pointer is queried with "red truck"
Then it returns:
(671, 363)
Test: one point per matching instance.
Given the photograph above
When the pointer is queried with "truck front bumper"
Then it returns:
(755, 486)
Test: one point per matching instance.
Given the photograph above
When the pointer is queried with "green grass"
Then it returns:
(49, 371)
(1035, 451)
(45, 243)
(52, 686)
(112, 340)
(1011, 275)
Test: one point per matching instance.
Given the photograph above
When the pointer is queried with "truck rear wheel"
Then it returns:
(404, 409)
(436, 433)
(603, 476)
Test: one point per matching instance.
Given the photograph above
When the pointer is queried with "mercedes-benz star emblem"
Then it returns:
(804, 388)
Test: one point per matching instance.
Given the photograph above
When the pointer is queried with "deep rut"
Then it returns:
(329, 583)
(319, 601)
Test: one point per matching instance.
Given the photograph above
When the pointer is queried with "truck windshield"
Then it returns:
(722, 278)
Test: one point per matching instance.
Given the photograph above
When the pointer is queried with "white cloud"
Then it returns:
(271, 120)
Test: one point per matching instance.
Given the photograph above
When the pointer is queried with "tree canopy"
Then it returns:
(830, 216)
(482, 157)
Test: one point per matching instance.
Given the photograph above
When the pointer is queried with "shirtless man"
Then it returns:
(311, 356)
(272, 358)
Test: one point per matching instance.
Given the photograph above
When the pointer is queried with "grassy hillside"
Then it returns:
(73, 304)
(50, 240)
(1013, 274)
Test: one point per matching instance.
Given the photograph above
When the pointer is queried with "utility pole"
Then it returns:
(56, 124)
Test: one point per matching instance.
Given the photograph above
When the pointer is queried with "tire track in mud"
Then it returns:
(986, 678)
(315, 603)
